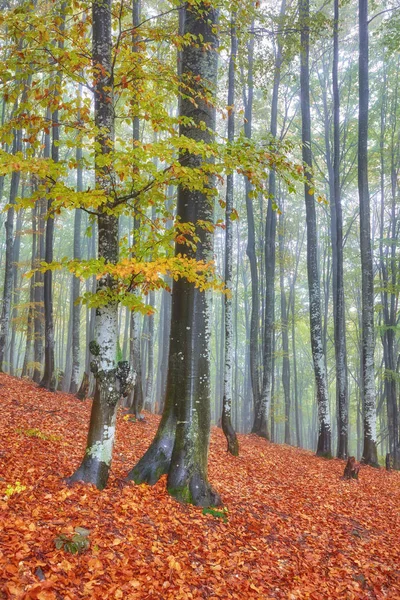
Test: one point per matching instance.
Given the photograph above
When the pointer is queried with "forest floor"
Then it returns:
(294, 528)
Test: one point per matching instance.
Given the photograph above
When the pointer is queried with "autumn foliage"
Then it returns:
(294, 529)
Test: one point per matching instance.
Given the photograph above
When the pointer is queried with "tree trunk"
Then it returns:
(370, 455)
(16, 287)
(39, 301)
(285, 332)
(324, 422)
(96, 463)
(48, 380)
(181, 443)
(337, 260)
(76, 306)
(150, 357)
(270, 237)
(8, 270)
(28, 356)
(226, 421)
(259, 424)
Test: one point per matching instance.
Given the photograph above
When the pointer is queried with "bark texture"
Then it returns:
(369, 455)
(319, 362)
(226, 421)
(96, 463)
(180, 447)
(337, 260)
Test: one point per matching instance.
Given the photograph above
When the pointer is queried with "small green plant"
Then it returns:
(218, 514)
(75, 544)
(48, 437)
(14, 489)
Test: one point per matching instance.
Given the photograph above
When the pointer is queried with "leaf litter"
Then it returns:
(291, 528)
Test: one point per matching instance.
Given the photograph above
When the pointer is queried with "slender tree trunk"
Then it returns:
(324, 422)
(270, 237)
(337, 252)
(285, 332)
(370, 455)
(39, 300)
(16, 287)
(28, 356)
(8, 270)
(48, 380)
(137, 396)
(150, 356)
(76, 307)
(164, 351)
(226, 421)
(251, 253)
(297, 408)
(96, 463)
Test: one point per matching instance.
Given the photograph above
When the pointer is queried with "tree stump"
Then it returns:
(351, 469)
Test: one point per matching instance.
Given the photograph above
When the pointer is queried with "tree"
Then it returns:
(367, 274)
(233, 444)
(76, 307)
(324, 427)
(180, 447)
(337, 259)
(96, 463)
(270, 240)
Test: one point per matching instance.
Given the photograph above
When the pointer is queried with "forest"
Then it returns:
(199, 283)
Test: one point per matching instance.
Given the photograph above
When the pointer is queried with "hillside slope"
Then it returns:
(295, 530)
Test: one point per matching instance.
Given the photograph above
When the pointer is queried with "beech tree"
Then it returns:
(367, 275)
(324, 425)
(180, 447)
(337, 258)
(226, 421)
(96, 463)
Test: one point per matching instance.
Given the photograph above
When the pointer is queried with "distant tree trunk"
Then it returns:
(76, 307)
(8, 270)
(226, 421)
(163, 349)
(150, 356)
(28, 356)
(388, 266)
(324, 427)
(39, 301)
(285, 332)
(370, 455)
(259, 425)
(96, 463)
(136, 399)
(273, 380)
(299, 437)
(270, 237)
(337, 260)
(16, 287)
(90, 318)
(48, 379)
(137, 396)
(180, 447)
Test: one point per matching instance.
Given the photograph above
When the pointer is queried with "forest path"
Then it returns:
(295, 530)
